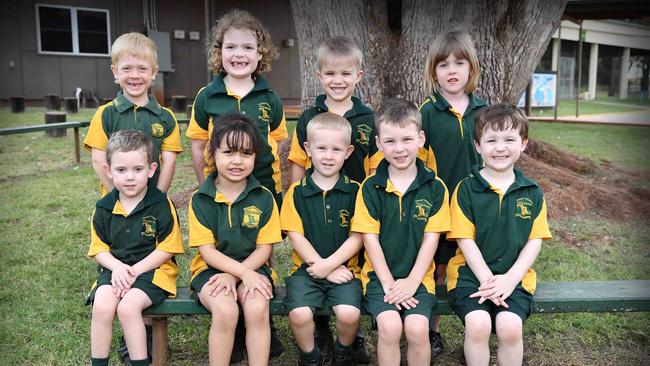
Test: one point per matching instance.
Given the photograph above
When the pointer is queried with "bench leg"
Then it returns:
(159, 326)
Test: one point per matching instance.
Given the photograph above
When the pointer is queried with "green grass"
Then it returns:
(567, 107)
(46, 202)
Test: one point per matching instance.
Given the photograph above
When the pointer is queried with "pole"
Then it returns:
(557, 83)
(579, 70)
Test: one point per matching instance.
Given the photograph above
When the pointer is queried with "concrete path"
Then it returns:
(636, 118)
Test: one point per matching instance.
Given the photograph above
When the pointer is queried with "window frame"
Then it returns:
(74, 30)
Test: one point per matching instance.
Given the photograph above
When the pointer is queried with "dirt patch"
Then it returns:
(572, 184)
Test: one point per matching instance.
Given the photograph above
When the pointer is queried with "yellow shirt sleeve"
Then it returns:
(173, 242)
(296, 154)
(461, 226)
(97, 137)
(173, 141)
(362, 222)
(194, 130)
(289, 218)
(375, 159)
(540, 225)
(280, 133)
(270, 233)
(96, 244)
(440, 222)
(199, 234)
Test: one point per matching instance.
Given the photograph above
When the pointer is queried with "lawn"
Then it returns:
(46, 202)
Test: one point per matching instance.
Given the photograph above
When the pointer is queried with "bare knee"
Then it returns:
(416, 330)
(347, 315)
(128, 310)
(226, 313)
(301, 316)
(389, 329)
(256, 310)
(509, 329)
(103, 311)
(478, 326)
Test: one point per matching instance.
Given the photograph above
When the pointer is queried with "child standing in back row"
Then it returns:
(451, 74)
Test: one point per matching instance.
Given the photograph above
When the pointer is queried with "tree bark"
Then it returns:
(510, 38)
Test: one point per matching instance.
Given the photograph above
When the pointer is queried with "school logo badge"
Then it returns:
(422, 209)
(157, 130)
(363, 134)
(523, 210)
(344, 216)
(265, 111)
(251, 217)
(149, 227)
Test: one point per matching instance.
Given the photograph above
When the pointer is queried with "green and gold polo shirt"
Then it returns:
(323, 217)
(500, 223)
(151, 225)
(261, 105)
(234, 228)
(400, 220)
(152, 119)
(365, 156)
(449, 147)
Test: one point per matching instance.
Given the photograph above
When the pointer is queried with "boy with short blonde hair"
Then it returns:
(401, 212)
(316, 216)
(134, 66)
(499, 221)
(134, 235)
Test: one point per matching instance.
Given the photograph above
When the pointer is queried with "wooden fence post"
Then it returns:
(71, 105)
(17, 104)
(55, 117)
(52, 102)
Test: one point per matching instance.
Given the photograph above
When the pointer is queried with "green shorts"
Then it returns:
(144, 282)
(375, 305)
(520, 302)
(200, 280)
(317, 294)
(446, 250)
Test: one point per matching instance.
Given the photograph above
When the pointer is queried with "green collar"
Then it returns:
(217, 86)
(423, 176)
(208, 188)
(122, 104)
(481, 185)
(152, 197)
(343, 184)
(358, 108)
(442, 104)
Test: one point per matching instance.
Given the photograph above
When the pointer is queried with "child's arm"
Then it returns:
(122, 275)
(476, 263)
(297, 171)
(500, 287)
(198, 163)
(303, 247)
(167, 169)
(376, 255)
(154, 260)
(405, 288)
(99, 161)
(349, 248)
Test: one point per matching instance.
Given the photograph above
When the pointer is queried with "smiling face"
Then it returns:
(328, 150)
(400, 144)
(239, 53)
(134, 75)
(130, 172)
(452, 75)
(338, 75)
(500, 150)
(234, 165)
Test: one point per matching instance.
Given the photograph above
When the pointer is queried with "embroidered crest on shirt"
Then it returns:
(157, 130)
(363, 134)
(422, 209)
(149, 226)
(523, 210)
(265, 111)
(251, 217)
(344, 216)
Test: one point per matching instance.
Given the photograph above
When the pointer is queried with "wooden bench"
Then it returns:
(556, 297)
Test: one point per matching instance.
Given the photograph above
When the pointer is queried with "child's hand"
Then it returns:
(402, 290)
(387, 287)
(497, 289)
(253, 281)
(340, 275)
(320, 269)
(409, 303)
(222, 282)
(122, 277)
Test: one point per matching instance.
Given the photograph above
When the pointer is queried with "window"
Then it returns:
(72, 31)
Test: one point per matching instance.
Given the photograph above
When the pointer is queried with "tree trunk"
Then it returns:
(510, 38)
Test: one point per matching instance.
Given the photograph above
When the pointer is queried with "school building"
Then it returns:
(56, 46)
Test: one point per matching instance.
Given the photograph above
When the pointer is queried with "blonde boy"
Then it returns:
(134, 66)
(499, 221)
(401, 211)
(316, 216)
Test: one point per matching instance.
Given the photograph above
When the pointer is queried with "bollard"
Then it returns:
(52, 102)
(17, 104)
(71, 105)
(55, 117)
(179, 102)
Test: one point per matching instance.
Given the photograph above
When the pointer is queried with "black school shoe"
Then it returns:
(436, 344)
(124, 352)
(323, 338)
(359, 352)
(340, 359)
(318, 362)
